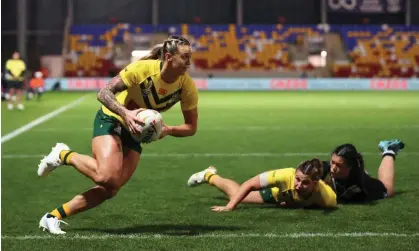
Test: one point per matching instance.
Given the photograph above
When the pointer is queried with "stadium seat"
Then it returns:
(380, 51)
(251, 47)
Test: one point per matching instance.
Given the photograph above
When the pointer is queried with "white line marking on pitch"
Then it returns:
(40, 120)
(215, 236)
(261, 128)
(184, 155)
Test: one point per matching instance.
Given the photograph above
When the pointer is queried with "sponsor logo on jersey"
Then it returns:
(162, 91)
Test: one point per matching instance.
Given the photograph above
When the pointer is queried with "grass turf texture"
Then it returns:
(242, 134)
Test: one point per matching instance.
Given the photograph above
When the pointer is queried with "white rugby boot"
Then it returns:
(51, 224)
(52, 160)
(199, 177)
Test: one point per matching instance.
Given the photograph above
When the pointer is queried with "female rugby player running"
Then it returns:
(288, 187)
(347, 176)
(158, 81)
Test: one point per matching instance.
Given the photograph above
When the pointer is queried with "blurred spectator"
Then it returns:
(3, 88)
(36, 86)
(303, 74)
(14, 76)
(45, 72)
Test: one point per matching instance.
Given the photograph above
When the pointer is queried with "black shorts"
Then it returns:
(374, 188)
(14, 84)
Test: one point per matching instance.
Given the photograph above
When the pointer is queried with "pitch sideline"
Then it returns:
(213, 236)
(40, 120)
(221, 155)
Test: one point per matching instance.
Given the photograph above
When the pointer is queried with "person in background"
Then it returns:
(4, 94)
(14, 75)
(36, 86)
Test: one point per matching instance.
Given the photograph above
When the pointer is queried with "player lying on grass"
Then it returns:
(300, 187)
(346, 174)
(156, 83)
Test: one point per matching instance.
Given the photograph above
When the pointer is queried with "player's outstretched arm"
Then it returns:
(248, 186)
(187, 129)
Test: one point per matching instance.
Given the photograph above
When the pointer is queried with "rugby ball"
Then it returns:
(152, 127)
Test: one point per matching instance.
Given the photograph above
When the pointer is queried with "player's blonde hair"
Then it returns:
(169, 45)
(312, 168)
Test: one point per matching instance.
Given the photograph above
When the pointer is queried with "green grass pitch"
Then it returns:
(242, 134)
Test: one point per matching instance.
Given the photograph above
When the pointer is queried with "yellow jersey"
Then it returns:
(16, 68)
(281, 182)
(146, 89)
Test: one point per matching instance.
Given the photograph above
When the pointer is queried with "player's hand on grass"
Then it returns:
(221, 209)
(132, 121)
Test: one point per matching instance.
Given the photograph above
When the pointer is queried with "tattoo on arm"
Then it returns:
(107, 95)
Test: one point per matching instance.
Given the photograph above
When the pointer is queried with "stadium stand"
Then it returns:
(373, 51)
(379, 51)
(217, 47)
